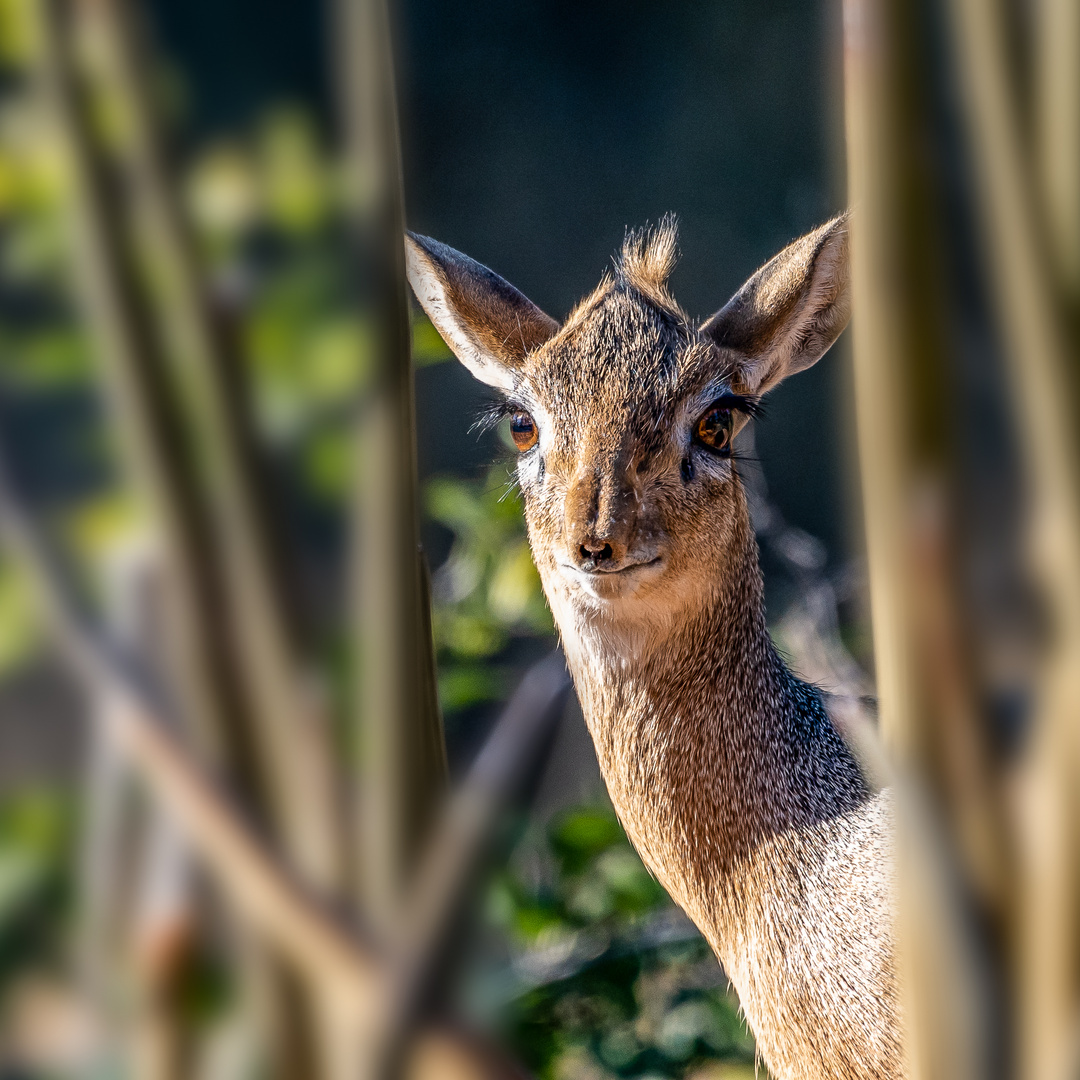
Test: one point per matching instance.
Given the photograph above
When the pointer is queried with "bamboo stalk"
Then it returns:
(403, 770)
(283, 910)
(515, 749)
(204, 668)
(1057, 67)
(948, 794)
(293, 737)
(1042, 349)
(152, 439)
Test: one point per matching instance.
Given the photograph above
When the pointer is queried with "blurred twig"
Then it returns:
(292, 736)
(1057, 67)
(1043, 347)
(514, 751)
(266, 892)
(403, 774)
(150, 428)
(910, 465)
(207, 667)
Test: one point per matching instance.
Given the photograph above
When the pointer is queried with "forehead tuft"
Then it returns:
(649, 256)
(620, 334)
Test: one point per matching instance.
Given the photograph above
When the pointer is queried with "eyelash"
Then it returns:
(494, 412)
(750, 405)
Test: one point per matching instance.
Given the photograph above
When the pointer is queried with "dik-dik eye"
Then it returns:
(523, 431)
(713, 429)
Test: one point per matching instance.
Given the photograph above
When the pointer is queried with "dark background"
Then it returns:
(535, 133)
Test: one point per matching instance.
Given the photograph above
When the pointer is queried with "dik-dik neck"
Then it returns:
(711, 750)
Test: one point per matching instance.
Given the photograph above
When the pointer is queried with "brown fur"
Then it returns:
(724, 768)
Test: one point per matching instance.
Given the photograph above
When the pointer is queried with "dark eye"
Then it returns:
(523, 431)
(713, 430)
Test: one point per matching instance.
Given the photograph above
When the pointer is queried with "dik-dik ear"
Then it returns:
(788, 314)
(488, 324)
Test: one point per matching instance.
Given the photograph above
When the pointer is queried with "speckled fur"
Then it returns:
(724, 767)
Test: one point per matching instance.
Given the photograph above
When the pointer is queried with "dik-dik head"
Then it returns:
(624, 415)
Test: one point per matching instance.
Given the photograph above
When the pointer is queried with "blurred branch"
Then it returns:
(513, 753)
(403, 766)
(152, 434)
(206, 667)
(1057, 67)
(952, 846)
(1043, 349)
(510, 758)
(295, 738)
(1016, 876)
(265, 892)
(878, 357)
(1026, 292)
(140, 924)
(283, 910)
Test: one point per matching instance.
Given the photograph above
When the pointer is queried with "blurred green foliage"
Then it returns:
(488, 590)
(36, 832)
(20, 626)
(605, 979)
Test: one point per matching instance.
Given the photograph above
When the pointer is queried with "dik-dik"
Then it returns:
(724, 768)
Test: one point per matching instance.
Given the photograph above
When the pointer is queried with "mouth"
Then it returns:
(605, 583)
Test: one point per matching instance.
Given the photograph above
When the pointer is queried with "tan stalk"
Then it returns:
(929, 699)
(156, 449)
(1042, 356)
(403, 769)
(210, 379)
(1057, 68)
(283, 910)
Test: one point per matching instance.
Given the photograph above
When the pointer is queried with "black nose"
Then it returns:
(595, 552)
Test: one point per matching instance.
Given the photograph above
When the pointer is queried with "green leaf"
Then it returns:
(578, 836)
(463, 685)
(428, 346)
(20, 623)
